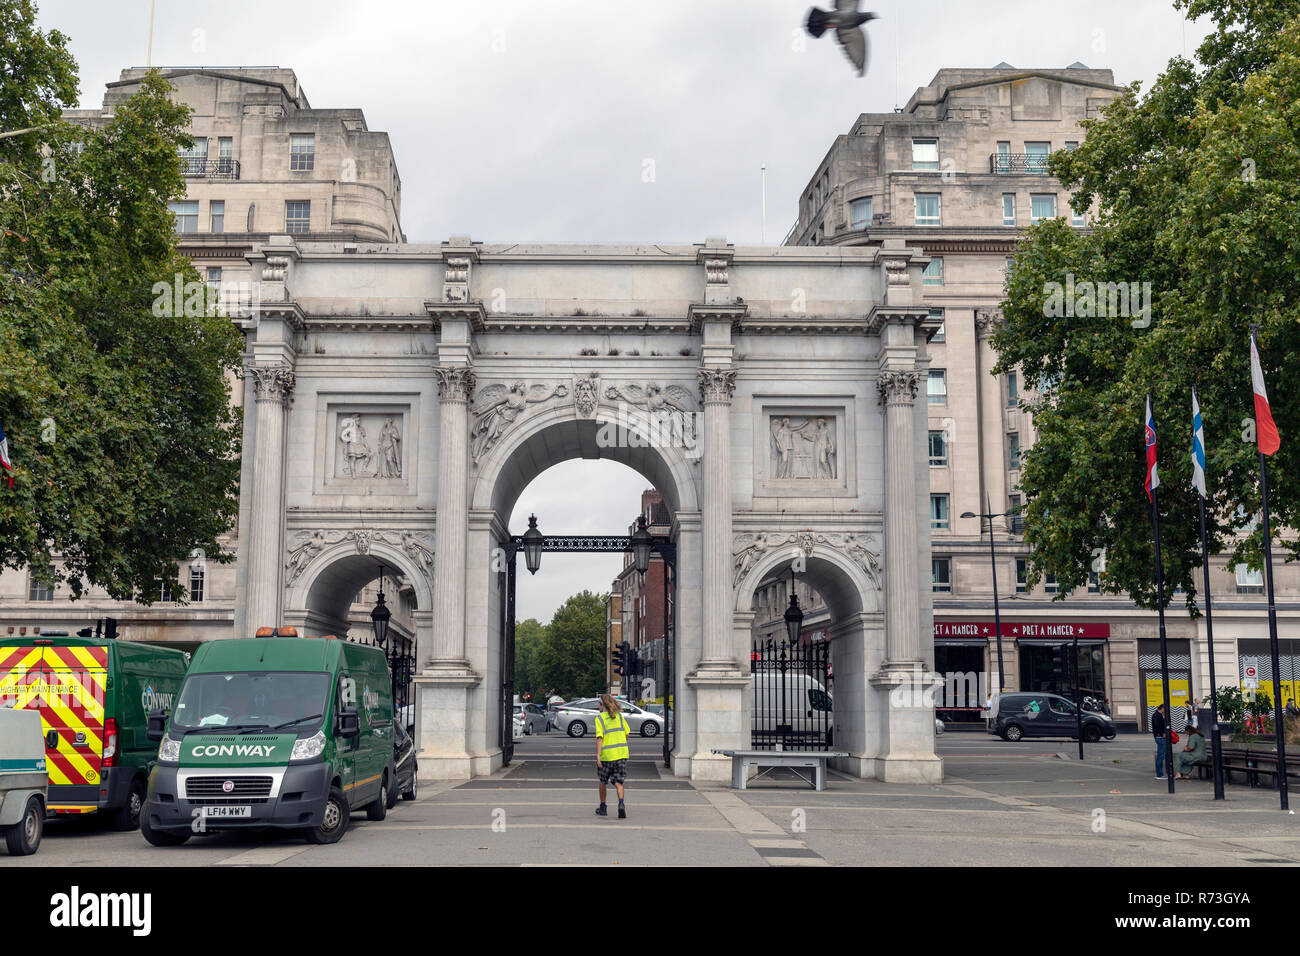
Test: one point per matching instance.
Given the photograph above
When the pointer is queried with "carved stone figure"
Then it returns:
(586, 395)
(496, 406)
(803, 448)
(422, 556)
(669, 409)
(748, 556)
(824, 449)
(390, 452)
(302, 556)
(356, 450)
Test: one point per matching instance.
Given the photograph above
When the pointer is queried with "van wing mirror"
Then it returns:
(349, 723)
(157, 725)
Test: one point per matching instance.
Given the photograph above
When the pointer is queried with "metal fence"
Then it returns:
(793, 704)
(400, 652)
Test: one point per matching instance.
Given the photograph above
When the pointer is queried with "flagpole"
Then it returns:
(1216, 741)
(1279, 728)
(1160, 607)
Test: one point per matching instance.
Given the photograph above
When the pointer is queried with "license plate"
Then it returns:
(227, 813)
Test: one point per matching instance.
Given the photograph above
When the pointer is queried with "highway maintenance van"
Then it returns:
(274, 731)
(94, 696)
(23, 780)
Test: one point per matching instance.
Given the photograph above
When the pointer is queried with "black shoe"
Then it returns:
(622, 813)
(601, 811)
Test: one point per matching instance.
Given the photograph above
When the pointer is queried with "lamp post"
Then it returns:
(533, 541)
(997, 616)
(380, 615)
(642, 542)
(793, 615)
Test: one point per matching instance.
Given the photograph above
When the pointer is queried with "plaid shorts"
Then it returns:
(612, 771)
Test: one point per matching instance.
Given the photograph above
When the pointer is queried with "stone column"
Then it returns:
(274, 391)
(902, 579)
(455, 388)
(992, 424)
(717, 385)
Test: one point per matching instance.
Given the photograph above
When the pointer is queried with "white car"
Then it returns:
(578, 718)
(519, 725)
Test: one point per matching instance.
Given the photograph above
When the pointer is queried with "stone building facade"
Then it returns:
(959, 173)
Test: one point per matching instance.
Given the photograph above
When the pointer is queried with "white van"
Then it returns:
(23, 780)
(798, 702)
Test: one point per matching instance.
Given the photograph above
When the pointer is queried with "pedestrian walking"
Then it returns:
(611, 752)
(1158, 731)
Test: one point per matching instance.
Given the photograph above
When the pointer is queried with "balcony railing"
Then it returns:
(1005, 163)
(225, 168)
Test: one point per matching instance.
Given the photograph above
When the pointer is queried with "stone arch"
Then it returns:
(321, 596)
(842, 583)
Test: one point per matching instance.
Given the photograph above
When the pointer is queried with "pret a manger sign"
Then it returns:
(1058, 630)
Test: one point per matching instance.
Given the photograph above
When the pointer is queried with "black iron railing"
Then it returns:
(400, 652)
(1005, 163)
(210, 168)
(792, 696)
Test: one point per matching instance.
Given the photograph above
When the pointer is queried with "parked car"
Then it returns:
(1023, 715)
(938, 726)
(519, 725)
(23, 780)
(535, 719)
(578, 718)
(405, 768)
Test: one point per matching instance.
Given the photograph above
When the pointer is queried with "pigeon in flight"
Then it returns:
(847, 23)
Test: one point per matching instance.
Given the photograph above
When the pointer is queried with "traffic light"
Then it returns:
(616, 655)
(633, 665)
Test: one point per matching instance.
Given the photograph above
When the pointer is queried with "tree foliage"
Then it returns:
(123, 439)
(1196, 187)
(566, 656)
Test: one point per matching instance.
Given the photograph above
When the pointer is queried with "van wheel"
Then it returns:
(24, 837)
(334, 820)
(649, 729)
(128, 817)
(161, 837)
(1091, 733)
(577, 729)
(415, 782)
(390, 797)
(1012, 732)
(377, 809)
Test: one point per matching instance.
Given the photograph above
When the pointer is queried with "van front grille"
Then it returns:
(214, 787)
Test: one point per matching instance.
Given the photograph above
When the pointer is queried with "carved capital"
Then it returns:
(715, 271)
(898, 388)
(987, 321)
(455, 383)
(896, 272)
(717, 385)
(273, 383)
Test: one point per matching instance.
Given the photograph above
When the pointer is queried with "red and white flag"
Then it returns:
(1265, 427)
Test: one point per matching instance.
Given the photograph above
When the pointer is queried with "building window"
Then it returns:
(1077, 218)
(186, 214)
(936, 387)
(1042, 207)
(927, 209)
(196, 584)
(1013, 390)
(225, 155)
(1049, 583)
(297, 216)
(860, 213)
(1008, 209)
(938, 511)
(1248, 581)
(214, 277)
(217, 210)
(1022, 576)
(933, 274)
(195, 159)
(1071, 145)
(1013, 451)
(165, 594)
(1004, 157)
(1094, 572)
(1036, 157)
(925, 154)
(1013, 512)
(942, 330)
(938, 450)
(302, 152)
(941, 575)
(39, 592)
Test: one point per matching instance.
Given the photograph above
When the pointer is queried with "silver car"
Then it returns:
(535, 719)
(578, 718)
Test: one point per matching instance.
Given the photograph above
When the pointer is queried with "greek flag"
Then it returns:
(1198, 447)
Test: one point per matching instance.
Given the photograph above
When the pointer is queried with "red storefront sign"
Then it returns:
(1028, 630)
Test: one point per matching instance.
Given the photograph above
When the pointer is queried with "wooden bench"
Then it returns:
(1251, 763)
(793, 760)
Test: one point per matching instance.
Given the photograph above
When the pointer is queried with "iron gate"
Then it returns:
(792, 696)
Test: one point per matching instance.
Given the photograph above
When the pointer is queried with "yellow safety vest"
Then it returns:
(612, 729)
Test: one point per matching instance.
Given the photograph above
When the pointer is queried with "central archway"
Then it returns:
(532, 445)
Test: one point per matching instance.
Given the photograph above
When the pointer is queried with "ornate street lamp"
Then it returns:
(793, 616)
(380, 615)
(642, 541)
(533, 540)
(997, 617)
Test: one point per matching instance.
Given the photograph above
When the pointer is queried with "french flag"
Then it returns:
(1153, 479)
(5, 463)
(1265, 427)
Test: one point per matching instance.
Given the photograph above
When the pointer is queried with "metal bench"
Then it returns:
(815, 760)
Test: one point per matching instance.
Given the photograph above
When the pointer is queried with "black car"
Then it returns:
(1023, 715)
(404, 764)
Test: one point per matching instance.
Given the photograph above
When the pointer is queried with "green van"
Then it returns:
(274, 731)
(94, 696)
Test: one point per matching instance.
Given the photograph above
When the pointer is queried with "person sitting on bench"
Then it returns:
(1190, 755)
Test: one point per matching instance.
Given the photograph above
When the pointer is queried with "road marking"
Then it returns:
(263, 856)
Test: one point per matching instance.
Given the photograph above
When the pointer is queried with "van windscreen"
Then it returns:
(262, 699)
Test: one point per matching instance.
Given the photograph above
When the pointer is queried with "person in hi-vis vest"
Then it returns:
(611, 752)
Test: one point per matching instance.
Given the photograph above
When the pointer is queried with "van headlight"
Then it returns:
(308, 747)
(169, 750)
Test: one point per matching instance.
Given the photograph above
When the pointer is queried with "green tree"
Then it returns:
(115, 401)
(572, 657)
(530, 635)
(1197, 191)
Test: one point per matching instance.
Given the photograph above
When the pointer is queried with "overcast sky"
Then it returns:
(544, 119)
